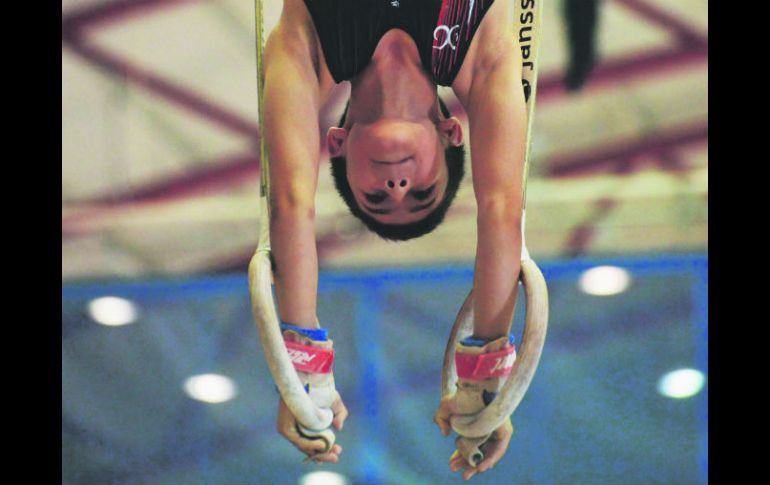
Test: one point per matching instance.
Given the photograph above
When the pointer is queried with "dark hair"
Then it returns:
(455, 161)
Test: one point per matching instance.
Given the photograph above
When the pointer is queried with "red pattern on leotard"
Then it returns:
(455, 26)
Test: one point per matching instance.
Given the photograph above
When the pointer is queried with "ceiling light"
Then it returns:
(112, 311)
(682, 383)
(211, 388)
(604, 280)
(323, 478)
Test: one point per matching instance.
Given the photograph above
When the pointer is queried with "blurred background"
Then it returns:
(163, 376)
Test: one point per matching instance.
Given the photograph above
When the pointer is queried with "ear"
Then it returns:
(452, 130)
(335, 141)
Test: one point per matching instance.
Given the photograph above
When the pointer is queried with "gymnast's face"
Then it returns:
(396, 168)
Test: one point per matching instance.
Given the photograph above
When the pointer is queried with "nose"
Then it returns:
(397, 187)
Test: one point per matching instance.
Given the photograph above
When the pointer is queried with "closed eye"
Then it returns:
(376, 198)
(423, 194)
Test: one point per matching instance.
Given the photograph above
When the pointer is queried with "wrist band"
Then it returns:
(478, 342)
(479, 367)
(310, 359)
(317, 334)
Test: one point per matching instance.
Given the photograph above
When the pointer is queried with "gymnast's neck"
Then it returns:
(394, 84)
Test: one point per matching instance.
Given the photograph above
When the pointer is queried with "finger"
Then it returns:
(446, 409)
(307, 446)
(443, 425)
(318, 459)
(331, 456)
(439, 416)
(287, 427)
(496, 447)
(340, 414)
(336, 449)
(448, 406)
(457, 461)
(324, 458)
(488, 463)
(458, 464)
(492, 455)
(469, 472)
(454, 461)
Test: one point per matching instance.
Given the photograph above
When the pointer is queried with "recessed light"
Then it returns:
(112, 311)
(323, 478)
(604, 280)
(211, 388)
(681, 383)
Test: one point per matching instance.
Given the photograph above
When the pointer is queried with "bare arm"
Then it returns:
(497, 118)
(291, 107)
(494, 100)
(292, 97)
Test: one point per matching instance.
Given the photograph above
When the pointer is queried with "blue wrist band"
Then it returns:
(317, 334)
(477, 342)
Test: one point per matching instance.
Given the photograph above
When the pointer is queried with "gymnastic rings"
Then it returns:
(314, 422)
(471, 428)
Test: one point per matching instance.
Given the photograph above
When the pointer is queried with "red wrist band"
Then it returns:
(479, 367)
(306, 358)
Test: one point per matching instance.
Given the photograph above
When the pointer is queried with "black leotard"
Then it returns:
(349, 31)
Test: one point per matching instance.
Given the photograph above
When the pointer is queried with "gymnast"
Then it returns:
(397, 161)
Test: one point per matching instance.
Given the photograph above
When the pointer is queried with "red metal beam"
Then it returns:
(207, 180)
(626, 151)
(74, 26)
(686, 34)
(633, 67)
(176, 95)
(77, 20)
(214, 176)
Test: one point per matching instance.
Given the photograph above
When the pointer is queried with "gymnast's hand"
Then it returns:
(494, 448)
(287, 427)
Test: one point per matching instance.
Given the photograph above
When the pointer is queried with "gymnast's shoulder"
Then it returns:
(293, 44)
(494, 47)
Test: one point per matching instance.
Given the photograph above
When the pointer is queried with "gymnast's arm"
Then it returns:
(291, 105)
(292, 99)
(496, 111)
(493, 98)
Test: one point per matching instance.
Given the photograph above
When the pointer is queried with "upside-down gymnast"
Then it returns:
(397, 161)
